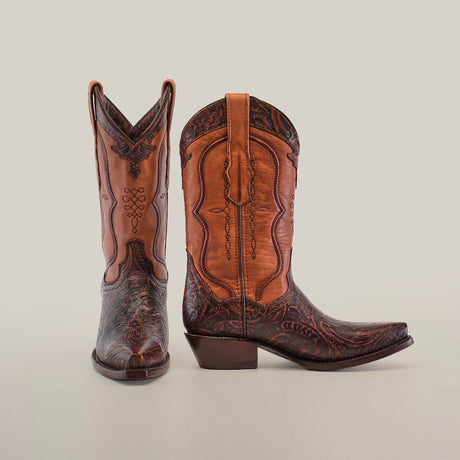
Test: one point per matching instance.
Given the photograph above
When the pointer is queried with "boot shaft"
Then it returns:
(132, 165)
(239, 161)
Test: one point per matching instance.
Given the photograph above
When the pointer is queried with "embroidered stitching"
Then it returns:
(134, 197)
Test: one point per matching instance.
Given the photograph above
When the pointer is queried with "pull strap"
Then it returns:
(169, 84)
(238, 165)
(172, 86)
(91, 96)
(92, 114)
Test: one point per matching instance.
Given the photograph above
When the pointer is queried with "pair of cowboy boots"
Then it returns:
(239, 172)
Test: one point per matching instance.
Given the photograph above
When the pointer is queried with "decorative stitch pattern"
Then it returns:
(227, 212)
(196, 213)
(133, 152)
(268, 118)
(134, 197)
(262, 116)
(210, 118)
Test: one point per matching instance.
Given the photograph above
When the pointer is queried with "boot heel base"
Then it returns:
(223, 352)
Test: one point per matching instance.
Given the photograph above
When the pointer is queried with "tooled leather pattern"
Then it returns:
(133, 151)
(133, 330)
(208, 119)
(262, 116)
(268, 118)
(204, 313)
(291, 324)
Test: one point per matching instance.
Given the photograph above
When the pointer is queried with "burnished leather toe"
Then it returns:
(358, 339)
(125, 358)
(133, 331)
(391, 333)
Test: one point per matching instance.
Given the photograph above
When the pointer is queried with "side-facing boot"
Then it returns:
(239, 166)
(133, 168)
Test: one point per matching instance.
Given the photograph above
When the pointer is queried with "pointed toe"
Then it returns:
(400, 331)
(135, 367)
(385, 336)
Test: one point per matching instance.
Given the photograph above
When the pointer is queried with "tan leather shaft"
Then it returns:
(133, 164)
(239, 183)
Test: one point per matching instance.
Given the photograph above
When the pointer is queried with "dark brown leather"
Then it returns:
(239, 169)
(132, 164)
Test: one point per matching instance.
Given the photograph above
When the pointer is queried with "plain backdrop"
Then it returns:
(373, 90)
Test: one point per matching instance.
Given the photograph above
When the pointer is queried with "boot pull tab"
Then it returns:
(91, 96)
(172, 87)
(238, 170)
(92, 115)
(169, 84)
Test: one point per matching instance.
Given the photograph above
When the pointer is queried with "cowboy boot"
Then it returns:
(239, 168)
(133, 168)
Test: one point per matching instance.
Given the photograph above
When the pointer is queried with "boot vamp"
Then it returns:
(133, 330)
(294, 325)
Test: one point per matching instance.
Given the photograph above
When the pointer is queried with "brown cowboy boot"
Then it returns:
(239, 159)
(132, 166)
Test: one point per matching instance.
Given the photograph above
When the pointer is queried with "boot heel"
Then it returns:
(223, 352)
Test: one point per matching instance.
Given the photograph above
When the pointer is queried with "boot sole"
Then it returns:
(233, 353)
(130, 374)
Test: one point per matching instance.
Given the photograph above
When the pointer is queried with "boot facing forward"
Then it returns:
(132, 166)
(239, 170)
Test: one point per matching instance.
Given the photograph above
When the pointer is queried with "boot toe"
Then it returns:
(385, 335)
(399, 332)
(125, 358)
(145, 360)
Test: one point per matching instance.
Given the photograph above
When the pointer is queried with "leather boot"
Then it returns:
(239, 166)
(132, 167)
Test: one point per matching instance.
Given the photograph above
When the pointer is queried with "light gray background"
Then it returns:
(373, 90)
